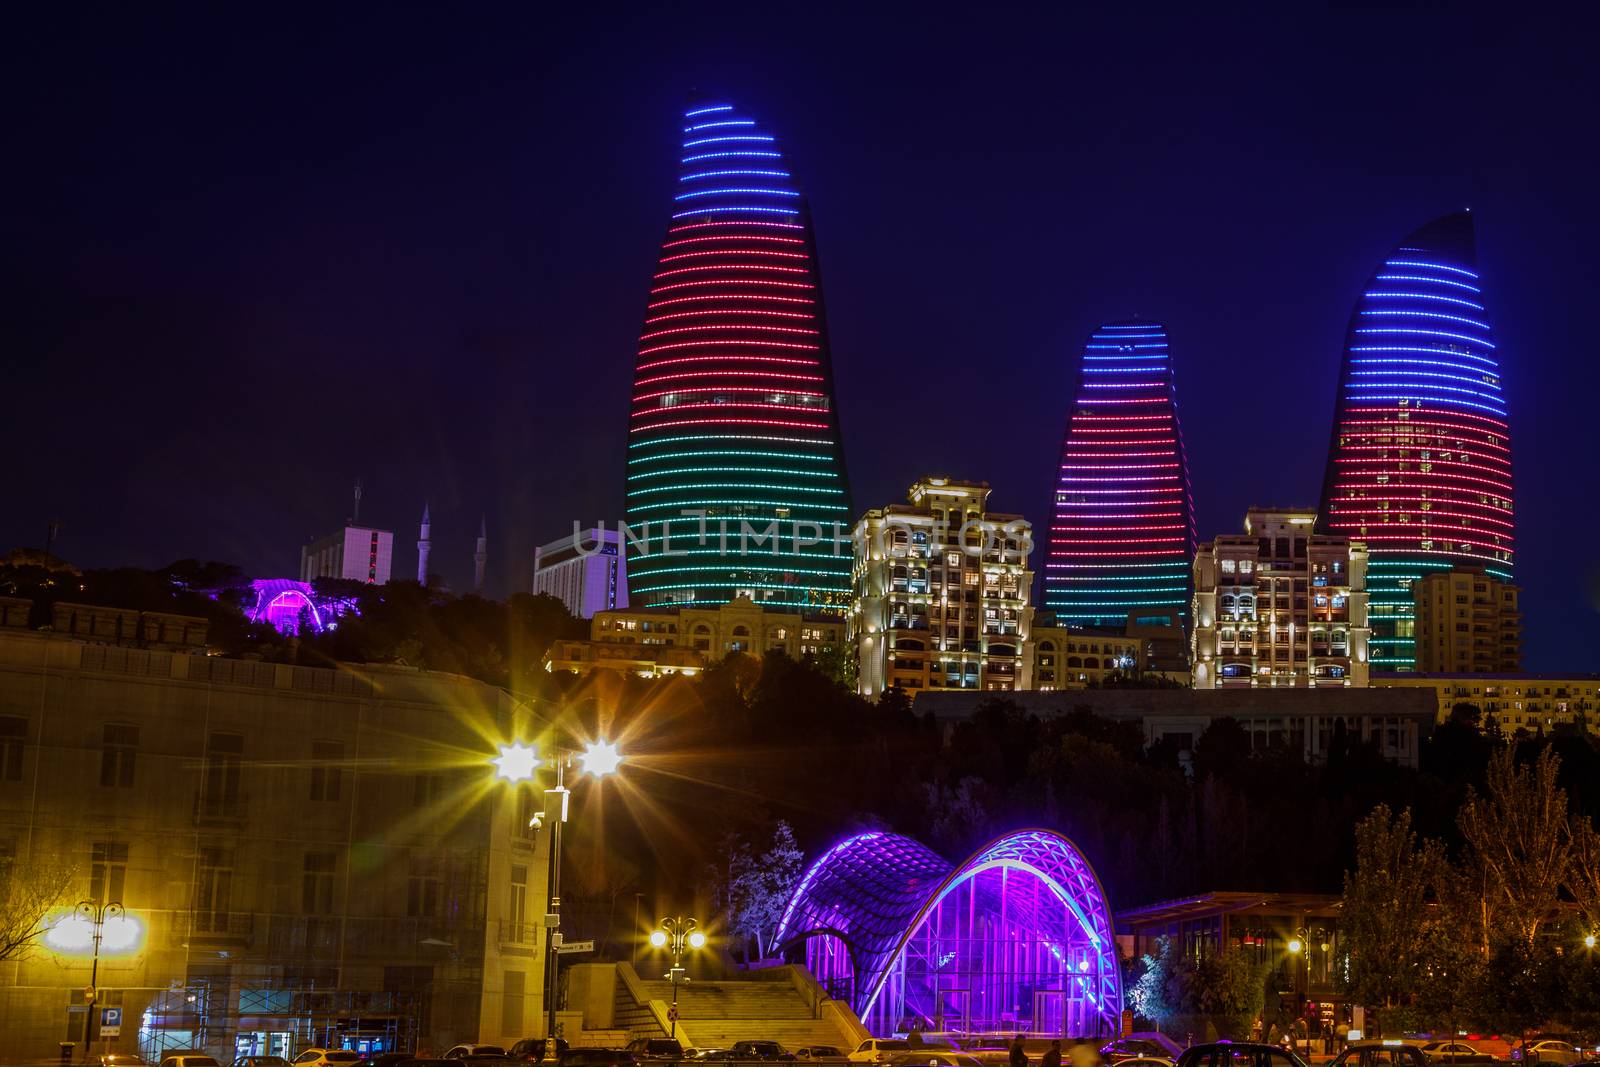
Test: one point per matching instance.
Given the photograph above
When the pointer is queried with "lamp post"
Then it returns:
(678, 933)
(96, 914)
(517, 763)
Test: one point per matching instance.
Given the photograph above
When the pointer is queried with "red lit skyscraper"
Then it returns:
(1420, 462)
(1122, 542)
(734, 433)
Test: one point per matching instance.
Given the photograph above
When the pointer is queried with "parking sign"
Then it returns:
(110, 1022)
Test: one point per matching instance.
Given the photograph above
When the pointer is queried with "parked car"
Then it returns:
(596, 1057)
(878, 1050)
(1549, 1050)
(1146, 1061)
(1238, 1054)
(324, 1057)
(655, 1048)
(1148, 1045)
(759, 1050)
(427, 1061)
(251, 1061)
(932, 1057)
(1385, 1052)
(127, 1059)
(707, 1054)
(1454, 1052)
(461, 1052)
(529, 1050)
(188, 1059)
(382, 1059)
(819, 1052)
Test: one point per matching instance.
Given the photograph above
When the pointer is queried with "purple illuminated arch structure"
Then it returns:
(286, 605)
(1017, 938)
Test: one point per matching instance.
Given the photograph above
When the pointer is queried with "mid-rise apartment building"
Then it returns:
(587, 571)
(1537, 703)
(670, 639)
(1467, 622)
(304, 857)
(1280, 605)
(940, 592)
(355, 553)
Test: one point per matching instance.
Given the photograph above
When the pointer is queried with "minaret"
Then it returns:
(481, 556)
(424, 544)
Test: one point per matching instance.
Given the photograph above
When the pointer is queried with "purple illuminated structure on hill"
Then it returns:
(292, 607)
(1017, 938)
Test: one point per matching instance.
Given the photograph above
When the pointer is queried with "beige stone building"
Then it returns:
(685, 640)
(307, 856)
(1532, 702)
(1280, 606)
(1467, 622)
(1075, 657)
(941, 591)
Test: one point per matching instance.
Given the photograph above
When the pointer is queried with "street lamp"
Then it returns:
(517, 763)
(679, 933)
(69, 934)
(1588, 941)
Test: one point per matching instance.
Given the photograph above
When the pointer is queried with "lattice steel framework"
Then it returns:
(1018, 937)
(1419, 466)
(734, 426)
(1122, 542)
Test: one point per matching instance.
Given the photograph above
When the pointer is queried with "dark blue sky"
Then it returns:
(253, 254)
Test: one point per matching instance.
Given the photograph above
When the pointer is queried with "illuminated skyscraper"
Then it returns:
(1420, 462)
(734, 434)
(1122, 541)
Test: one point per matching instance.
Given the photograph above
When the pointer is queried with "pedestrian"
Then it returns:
(1342, 1032)
(1019, 1057)
(1052, 1057)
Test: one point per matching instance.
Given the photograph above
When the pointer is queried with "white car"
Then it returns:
(1556, 1052)
(326, 1057)
(461, 1052)
(878, 1050)
(188, 1059)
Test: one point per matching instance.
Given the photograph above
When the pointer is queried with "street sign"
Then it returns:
(672, 1014)
(110, 1022)
(88, 994)
(1127, 1021)
(575, 946)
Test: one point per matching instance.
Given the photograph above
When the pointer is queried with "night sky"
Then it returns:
(254, 253)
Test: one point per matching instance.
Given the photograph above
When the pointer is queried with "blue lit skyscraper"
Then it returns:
(1420, 462)
(1122, 540)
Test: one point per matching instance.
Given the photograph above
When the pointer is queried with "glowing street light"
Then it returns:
(516, 763)
(1295, 946)
(680, 932)
(1588, 941)
(600, 758)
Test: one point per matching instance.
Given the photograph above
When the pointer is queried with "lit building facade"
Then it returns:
(1018, 938)
(355, 553)
(1123, 533)
(588, 572)
(304, 855)
(1419, 466)
(941, 592)
(1467, 622)
(1076, 657)
(1280, 605)
(1547, 703)
(736, 478)
(685, 640)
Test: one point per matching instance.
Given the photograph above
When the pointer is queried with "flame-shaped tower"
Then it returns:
(736, 477)
(1122, 542)
(1420, 462)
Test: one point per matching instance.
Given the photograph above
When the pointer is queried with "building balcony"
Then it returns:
(212, 810)
(220, 927)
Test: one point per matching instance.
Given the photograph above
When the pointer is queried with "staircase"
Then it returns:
(782, 1004)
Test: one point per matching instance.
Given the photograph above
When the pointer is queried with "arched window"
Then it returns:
(1047, 646)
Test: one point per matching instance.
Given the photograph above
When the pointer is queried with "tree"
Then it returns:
(1383, 917)
(1517, 836)
(28, 893)
(1583, 871)
(754, 890)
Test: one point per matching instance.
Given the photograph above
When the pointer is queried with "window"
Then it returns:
(425, 789)
(512, 1002)
(316, 884)
(519, 904)
(221, 783)
(213, 889)
(526, 808)
(119, 743)
(13, 737)
(108, 871)
(1227, 566)
(325, 759)
(422, 888)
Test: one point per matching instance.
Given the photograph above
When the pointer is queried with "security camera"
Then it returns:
(537, 822)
